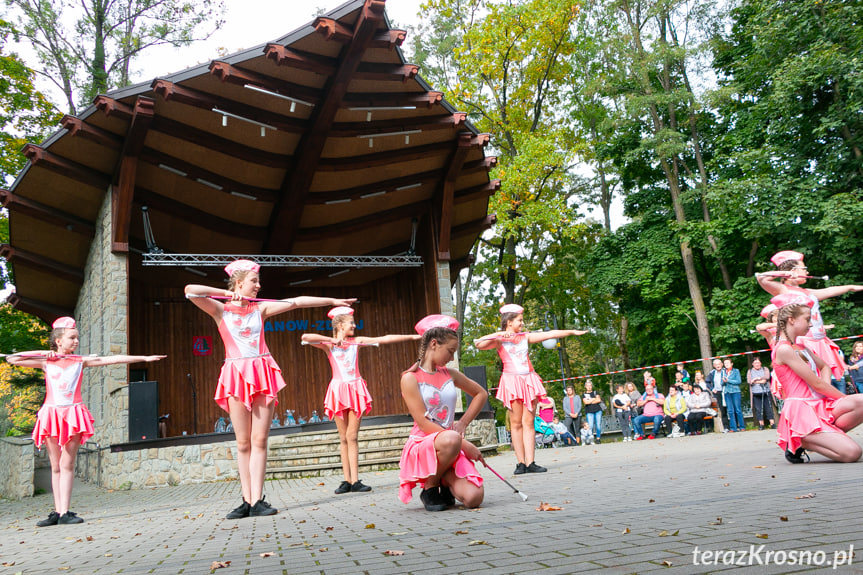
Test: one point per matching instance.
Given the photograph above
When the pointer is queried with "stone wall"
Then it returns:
(101, 314)
(175, 465)
(17, 463)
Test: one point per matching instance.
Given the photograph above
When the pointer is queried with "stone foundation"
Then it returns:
(18, 464)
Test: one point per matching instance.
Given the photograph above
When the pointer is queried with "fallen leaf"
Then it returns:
(543, 506)
(675, 533)
(463, 522)
(223, 529)
(315, 535)
(330, 528)
(63, 568)
(651, 500)
(805, 511)
(396, 533)
(783, 518)
(108, 555)
(321, 484)
(461, 532)
(807, 496)
(760, 467)
(219, 565)
(89, 538)
(597, 525)
(136, 534)
(263, 539)
(478, 543)
(717, 522)
(370, 526)
(726, 484)
(393, 552)
(322, 549)
(567, 501)
(627, 530)
(301, 521)
(285, 535)
(115, 536)
(8, 564)
(313, 508)
(761, 535)
(667, 563)
(663, 533)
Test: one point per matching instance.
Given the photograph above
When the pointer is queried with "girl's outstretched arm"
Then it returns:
(269, 309)
(118, 359)
(21, 358)
(318, 340)
(834, 291)
(388, 338)
(538, 336)
(492, 340)
(768, 281)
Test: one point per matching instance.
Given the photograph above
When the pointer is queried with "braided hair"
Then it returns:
(787, 266)
(56, 334)
(237, 277)
(506, 318)
(338, 321)
(785, 313)
(439, 334)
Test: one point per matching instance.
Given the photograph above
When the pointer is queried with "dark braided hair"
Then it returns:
(785, 313)
(439, 334)
(787, 266)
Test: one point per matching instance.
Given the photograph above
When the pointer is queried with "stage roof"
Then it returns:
(322, 142)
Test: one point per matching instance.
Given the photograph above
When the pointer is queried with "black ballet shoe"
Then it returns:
(797, 456)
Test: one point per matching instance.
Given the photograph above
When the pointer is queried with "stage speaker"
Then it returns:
(477, 373)
(143, 410)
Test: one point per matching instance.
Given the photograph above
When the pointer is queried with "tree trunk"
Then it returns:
(624, 348)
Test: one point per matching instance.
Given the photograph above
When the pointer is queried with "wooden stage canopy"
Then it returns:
(323, 142)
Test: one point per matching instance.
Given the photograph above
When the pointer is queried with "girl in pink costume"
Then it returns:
(348, 398)
(436, 455)
(520, 387)
(767, 330)
(64, 422)
(816, 416)
(250, 377)
(791, 276)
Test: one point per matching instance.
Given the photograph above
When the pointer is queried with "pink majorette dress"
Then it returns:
(63, 414)
(347, 390)
(249, 369)
(775, 384)
(805, 411)
(817, 341)
(419, 458)
(519, 381)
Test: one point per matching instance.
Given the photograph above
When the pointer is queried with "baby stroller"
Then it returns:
(544, 433)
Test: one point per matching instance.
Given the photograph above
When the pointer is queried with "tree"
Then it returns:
(95, 54)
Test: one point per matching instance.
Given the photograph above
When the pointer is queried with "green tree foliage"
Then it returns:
(95, 51)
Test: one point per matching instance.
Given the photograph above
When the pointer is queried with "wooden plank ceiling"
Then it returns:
(325, 141)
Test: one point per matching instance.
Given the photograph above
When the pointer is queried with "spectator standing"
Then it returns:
(698, 403)
(758, 378)
(593, 409)
(674, 409)
(855, 367)
(621, 404)
(651, 404)
(634, 396)
(572, 411)
(731, 390)
(714, 385)
(545, 409)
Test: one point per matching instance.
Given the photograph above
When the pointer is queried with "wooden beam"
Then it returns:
(484, 165)
(361, 223)
(374, 188)
(123, 186)
(288, 212)
(241, 77)
(44, 159)
(387, 72)
(299, 60)
(406, 154)
(47, 265)
(194, 216)
(447, 204)
(195, 173)
(475, 227)
(113, 108)
(45, 311)
(79, 128)
(479, 192)
(21, 205)
(171, 92)
(398, 100)
(423, 123)
(335, 31)
(219, 144)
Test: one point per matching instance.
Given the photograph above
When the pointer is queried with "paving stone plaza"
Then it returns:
(714, 503)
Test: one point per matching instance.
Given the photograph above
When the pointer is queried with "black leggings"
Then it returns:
(762, 407)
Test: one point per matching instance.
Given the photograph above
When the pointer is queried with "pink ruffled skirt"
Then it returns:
(828, 351)
(243, 379)
(419, 462)
(62, 423)
(800, 417)
(345, 396)
(525, 388)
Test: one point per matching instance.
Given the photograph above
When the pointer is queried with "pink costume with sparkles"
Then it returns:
(419, 458)
(519, 381)
(805, 411)
(63, 414)
(817, 341)
(249, 369)
(347, 390)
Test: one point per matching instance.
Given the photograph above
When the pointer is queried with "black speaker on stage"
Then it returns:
(143, 410)
(477, 373)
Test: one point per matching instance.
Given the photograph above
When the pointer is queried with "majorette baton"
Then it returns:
(43, 355)
(373, 344)
(191, 295)
(676, 362)
(494, 337)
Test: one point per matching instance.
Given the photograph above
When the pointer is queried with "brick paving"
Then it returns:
(640, 507)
